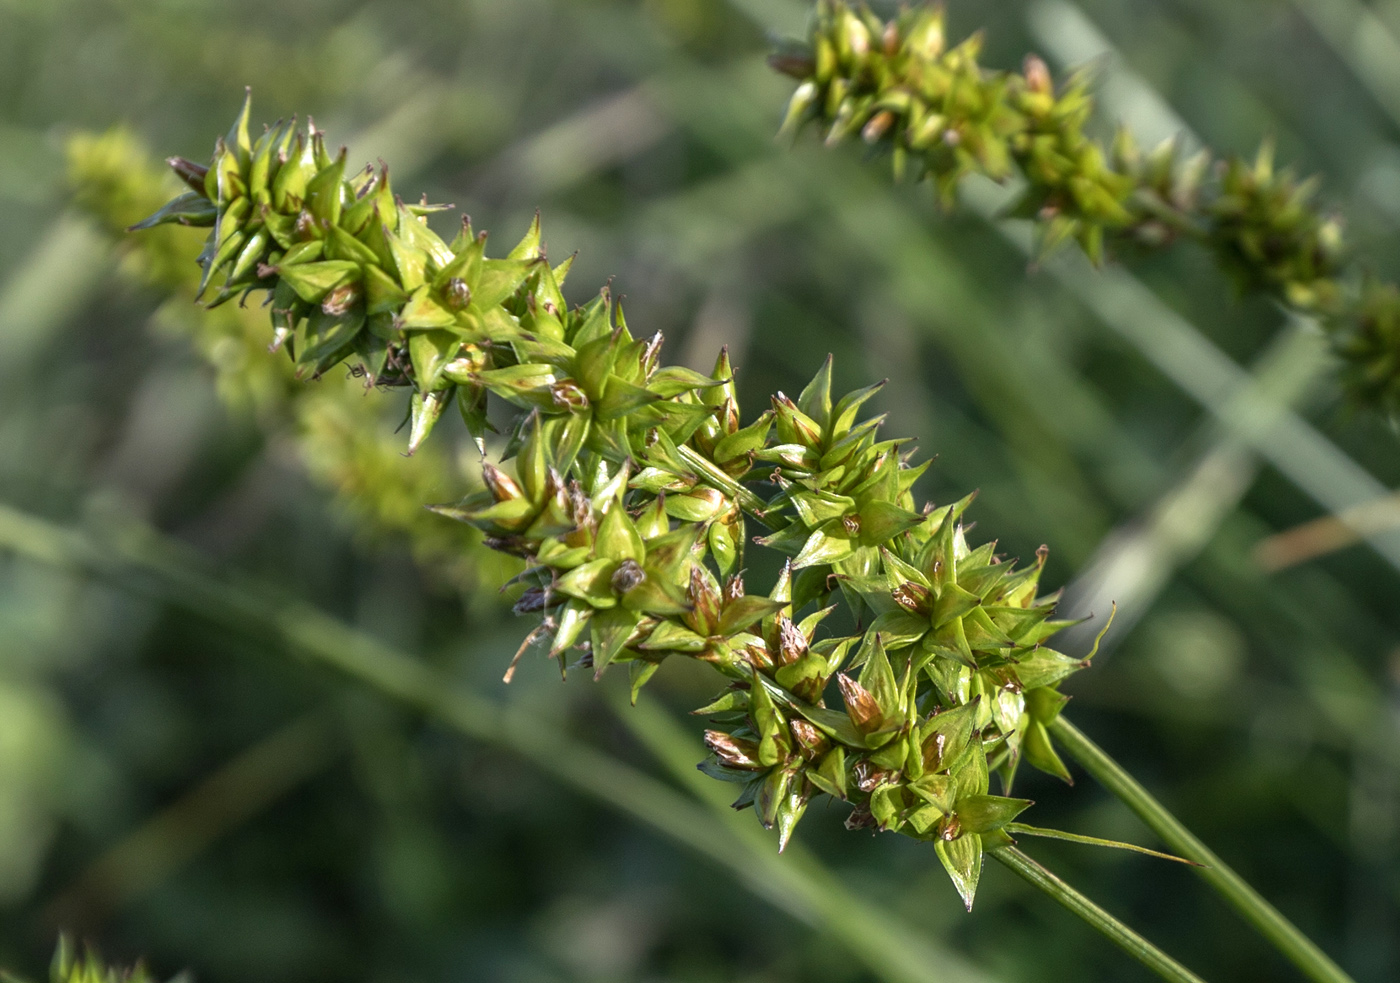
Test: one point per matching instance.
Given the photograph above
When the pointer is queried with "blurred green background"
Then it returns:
(186, 792)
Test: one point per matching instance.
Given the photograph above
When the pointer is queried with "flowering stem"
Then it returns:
(1118, 933)
(1270, 923)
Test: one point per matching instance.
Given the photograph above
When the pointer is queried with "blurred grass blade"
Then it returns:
(1328, 534)
(1136, 561)
(1363, 41)
(72, 253)
(225, 799)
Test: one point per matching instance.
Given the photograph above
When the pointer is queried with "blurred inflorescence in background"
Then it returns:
(181, 791)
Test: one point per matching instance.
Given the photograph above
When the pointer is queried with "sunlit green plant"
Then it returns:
(634, 491)
(900, 86)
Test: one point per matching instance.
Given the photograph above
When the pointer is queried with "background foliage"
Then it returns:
(178, 790)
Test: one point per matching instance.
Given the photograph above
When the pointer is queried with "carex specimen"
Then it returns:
(629, 492)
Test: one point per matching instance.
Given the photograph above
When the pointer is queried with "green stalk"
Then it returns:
(1296, 947)
(1119, 934)
(142, 563)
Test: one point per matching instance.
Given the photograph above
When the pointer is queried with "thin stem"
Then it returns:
(1117, 933)
(141, 563)
(1296, 947)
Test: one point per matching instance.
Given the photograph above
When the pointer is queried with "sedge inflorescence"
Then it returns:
(900, 86)
(634, 488)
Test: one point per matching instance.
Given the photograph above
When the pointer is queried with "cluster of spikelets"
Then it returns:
(346, 442)
(941, 115)
(633, 492)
